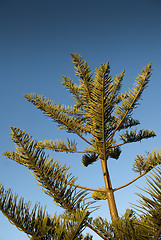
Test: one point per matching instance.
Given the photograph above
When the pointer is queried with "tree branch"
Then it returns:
(141, 87)
(117, 145)
(90, 189)
(95, 230)
(49, 113)
(130, 182)
(65, 150)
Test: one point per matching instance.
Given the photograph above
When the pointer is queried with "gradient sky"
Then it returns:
(36, 39)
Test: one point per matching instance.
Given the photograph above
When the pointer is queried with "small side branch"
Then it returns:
(120, 144)
(90, 189)
(84, 139)
(130, 182)
(67, 151)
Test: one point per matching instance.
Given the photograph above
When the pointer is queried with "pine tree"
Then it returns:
(99, 112)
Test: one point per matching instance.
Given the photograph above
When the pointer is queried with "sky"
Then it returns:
(36, 39)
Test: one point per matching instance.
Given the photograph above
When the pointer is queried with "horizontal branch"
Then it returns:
(65, 150)
(90, 189)
(70, 151)
(130, 182)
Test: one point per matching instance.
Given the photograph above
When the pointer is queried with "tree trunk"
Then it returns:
(109, 192)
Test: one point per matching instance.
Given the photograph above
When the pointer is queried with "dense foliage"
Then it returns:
(99, 112)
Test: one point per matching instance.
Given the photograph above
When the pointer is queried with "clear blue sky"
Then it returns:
(36, 39)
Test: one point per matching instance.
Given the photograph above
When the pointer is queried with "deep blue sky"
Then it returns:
(36, 39)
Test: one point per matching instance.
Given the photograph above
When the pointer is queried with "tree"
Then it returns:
(99, 112)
